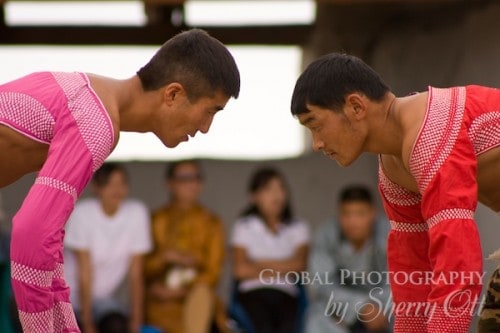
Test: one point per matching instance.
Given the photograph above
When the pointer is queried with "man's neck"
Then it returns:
(358, 244)
(273, 223)
(109, 209)
(385, 135)
(183, 205)
(134, 105)
(129, 106)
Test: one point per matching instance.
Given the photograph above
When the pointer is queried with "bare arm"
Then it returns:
(85, 288)
(136, 288)
(244, 268)
(295, 263)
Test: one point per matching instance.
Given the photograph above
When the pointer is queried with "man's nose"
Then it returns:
(206, 126)
(317, 144)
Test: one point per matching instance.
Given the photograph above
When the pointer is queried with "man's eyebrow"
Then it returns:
(307, 121)
(219, 108)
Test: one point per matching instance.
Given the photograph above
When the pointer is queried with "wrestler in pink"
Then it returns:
(66, 124)
(439, 154)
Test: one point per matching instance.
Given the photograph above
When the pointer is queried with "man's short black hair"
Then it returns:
(355, 193)
(102, 175)
(198, 61)
(328, 80)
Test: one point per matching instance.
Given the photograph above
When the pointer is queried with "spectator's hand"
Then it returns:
(162, 293)
(373, 318)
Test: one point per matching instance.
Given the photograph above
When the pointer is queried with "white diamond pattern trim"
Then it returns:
(446, 214)
(64, 318)
(27, 114)
(396, 194)
(37, 322)
(59, 271)
(408, 227)
(88, 114)
(408, 324)
(484, 132)
(30, 275)
(450, 214)
(57, 184)
(439, 133)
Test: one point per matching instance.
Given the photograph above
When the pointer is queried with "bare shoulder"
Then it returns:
(104, 87)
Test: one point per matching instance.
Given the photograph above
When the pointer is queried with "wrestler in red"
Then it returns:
(439, 153)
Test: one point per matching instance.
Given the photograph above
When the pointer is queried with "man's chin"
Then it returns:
(343, 162)
(171, 144)
(174, 143)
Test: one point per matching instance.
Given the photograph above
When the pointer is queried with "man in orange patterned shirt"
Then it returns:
(183, 270)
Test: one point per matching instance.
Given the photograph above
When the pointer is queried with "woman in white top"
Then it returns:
(106, 239)
(269, 252)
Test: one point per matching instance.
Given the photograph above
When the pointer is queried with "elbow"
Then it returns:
(238, 272)
(241, 271)
(300, 266)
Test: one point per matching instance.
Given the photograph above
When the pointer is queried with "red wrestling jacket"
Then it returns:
(434, 251)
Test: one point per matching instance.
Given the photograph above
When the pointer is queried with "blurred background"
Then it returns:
(411, 43)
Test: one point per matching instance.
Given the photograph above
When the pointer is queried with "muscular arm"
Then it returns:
(19, 155)
(85, 288)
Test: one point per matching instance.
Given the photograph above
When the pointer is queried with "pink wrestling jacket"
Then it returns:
(61, 110)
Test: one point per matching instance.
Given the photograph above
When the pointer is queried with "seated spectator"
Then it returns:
(269, 244)
(353, 245)
(106, 238)
(6, 325)
(183, 269)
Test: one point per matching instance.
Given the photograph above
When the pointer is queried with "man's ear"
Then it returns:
(355, 106)
(172, 92)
